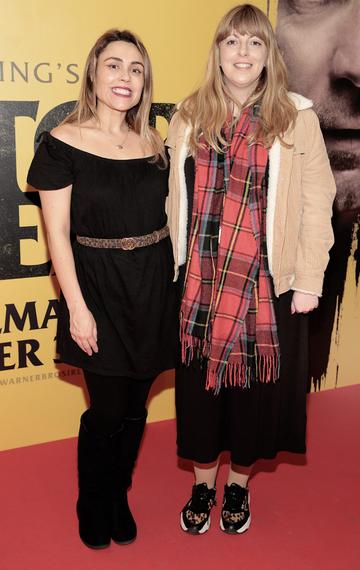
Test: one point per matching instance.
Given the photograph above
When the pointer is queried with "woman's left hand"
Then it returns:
(303, 302)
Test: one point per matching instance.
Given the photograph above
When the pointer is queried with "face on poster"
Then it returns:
(320, 42)
(321, 45)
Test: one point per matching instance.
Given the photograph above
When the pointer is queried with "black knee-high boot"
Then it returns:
(123, 524)
(95, 467)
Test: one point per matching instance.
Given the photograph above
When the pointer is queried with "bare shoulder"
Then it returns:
(68, 133)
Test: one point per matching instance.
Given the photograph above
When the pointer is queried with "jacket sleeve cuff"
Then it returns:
(308, 284)
(306, 292)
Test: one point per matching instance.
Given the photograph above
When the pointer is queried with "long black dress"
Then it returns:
(130, 293)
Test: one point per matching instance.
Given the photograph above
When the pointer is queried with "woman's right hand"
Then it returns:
(83, 329)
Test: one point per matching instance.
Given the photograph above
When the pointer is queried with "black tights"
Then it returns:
(114, 398)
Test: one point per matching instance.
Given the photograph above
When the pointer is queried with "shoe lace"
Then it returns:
(235, 499)
(202, 499)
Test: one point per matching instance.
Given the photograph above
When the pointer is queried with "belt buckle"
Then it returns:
(128, 243)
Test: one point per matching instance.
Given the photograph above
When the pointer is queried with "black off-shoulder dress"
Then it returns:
(130, 293)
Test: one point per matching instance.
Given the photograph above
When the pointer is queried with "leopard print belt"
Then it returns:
(127, 243)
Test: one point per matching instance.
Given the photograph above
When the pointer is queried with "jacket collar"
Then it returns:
(280, 157)
(301, 103)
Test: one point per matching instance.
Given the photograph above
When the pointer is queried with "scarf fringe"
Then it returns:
(193, 347)
(265, 368)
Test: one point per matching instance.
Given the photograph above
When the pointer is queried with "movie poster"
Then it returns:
(43, 52)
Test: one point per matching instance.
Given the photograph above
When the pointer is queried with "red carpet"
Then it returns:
(306, 515)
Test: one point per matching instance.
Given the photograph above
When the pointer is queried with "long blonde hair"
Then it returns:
(137, 117)
(207, 108)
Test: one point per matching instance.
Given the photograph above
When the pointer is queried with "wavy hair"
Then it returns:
(137, 117)
(207, 108)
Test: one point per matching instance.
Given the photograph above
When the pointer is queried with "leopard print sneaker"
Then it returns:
(195, 516)
(235, 513)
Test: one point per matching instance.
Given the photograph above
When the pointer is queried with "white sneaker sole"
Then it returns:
(203, 529)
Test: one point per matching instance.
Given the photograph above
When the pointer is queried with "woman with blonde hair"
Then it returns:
(250, 206)
(102, 176)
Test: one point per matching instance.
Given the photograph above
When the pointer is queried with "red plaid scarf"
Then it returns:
(227, 313)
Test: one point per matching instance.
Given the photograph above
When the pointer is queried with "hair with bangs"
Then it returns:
(137, 117)
(207, 108)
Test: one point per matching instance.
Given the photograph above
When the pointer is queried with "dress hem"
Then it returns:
(128, 374)
(298, 450)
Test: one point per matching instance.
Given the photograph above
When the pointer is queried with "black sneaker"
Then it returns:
(235, 513)
(195, 516)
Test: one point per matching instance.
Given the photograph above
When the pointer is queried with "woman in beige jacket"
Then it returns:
(249, 210)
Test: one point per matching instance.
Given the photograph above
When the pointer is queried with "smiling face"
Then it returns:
(119, 78)
(321, 46)
(242, 60)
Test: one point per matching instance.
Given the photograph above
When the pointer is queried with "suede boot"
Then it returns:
(123, 530)
(95, 458)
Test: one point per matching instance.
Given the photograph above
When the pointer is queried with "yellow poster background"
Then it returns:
(43, 403)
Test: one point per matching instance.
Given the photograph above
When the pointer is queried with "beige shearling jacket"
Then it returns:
(301, 191)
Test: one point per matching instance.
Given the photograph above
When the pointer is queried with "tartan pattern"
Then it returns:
(227, 313)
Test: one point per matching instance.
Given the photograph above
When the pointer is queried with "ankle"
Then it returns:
(211, 485)
(239, 474)
(206, 473)
(242, 482)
